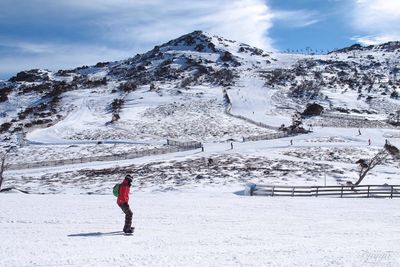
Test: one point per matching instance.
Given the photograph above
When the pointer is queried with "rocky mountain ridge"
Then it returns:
(361, 80)
(393, 46)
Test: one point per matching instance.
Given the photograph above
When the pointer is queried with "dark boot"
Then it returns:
(128, 231)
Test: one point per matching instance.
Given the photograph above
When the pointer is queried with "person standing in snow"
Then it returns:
(122, 201)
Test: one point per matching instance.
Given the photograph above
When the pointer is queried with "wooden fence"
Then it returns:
(260, 124)
(350, 121)
(266, 136)
(229, 109)
(174, 146)
(343, 116)
(187, 144)
(339, 191)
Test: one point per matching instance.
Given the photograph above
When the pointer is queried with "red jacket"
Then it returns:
(123, 195)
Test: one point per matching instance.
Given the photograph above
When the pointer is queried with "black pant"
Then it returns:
(128, 215)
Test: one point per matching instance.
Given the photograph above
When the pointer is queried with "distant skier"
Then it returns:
(369, 142)
(122, 201)
(291, 142)
(231, 145)
(359, 132)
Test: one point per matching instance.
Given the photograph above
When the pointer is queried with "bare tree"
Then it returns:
(394, 119)
(367, 165)
(2, 167)
(2, 170)
(296, 119)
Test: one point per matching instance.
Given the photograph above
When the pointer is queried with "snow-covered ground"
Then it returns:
(185, 206)
(190, 213)
(196, 113)
(206, 227)
(253, 100)
(326, 154)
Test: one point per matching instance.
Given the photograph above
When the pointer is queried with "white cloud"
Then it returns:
(54, 56)
(243, 20)
(377, 20)
(26, 47)
(297, 18)
(373, 40)
(104, 28)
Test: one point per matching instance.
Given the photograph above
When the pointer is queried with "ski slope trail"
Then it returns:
(205, 227)
(253, 99)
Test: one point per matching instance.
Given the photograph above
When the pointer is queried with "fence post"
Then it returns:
(249, 189)
(341, 193)
(273, 188)
(368, 192)
(293, 191)
(391, 192)
(316, 195)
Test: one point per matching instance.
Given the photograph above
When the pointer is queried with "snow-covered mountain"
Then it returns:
(182, 88)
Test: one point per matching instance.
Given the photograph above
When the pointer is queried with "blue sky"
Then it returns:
(56, 34)
(321, 25)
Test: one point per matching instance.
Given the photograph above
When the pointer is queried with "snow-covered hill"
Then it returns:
(170, 91)
(176, 91)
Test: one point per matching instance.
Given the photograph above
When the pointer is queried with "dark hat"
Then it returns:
(128, 178)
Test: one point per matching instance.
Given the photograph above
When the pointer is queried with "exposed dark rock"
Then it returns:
(226, 56)
(101, 64)
(5, 127)
(30, 76)
(353, 47)
(4, 92)
(386, 47)
(313, 110)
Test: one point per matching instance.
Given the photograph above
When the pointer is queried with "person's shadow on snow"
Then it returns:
(96, 234)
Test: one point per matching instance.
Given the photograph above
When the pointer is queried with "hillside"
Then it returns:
(176, 90)
(172, 89)
(203, 88)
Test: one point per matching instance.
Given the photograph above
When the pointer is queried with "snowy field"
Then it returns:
(205, 227)
(326, 154)
(186, 212)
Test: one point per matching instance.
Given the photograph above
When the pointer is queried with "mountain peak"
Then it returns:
(389, 46)
(195, 41)
(385, 47)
